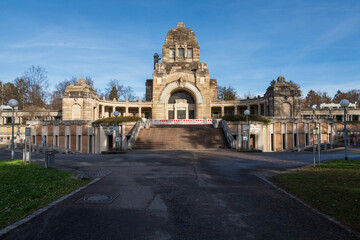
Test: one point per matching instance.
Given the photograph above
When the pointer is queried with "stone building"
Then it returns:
(182, 92)
(181, 88)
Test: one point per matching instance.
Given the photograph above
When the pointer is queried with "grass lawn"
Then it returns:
(334, 189)
(28, 187)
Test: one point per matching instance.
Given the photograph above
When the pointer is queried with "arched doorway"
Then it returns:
(181, 105)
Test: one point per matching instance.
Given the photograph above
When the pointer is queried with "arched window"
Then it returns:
(181, 95)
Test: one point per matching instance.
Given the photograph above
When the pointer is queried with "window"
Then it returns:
(181, 52)
(189, 52)
(172, 53)
(79, 142)
(181, 95)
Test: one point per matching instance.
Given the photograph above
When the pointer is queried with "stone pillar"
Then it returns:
(265, 110)
(102, 111)
(239, 137)
(140, 112)
(187, 112)
(297, 137)
(235, 110)
(306, 130)
(259, 109)
(175, 112)
(222, 111)
(274, 132)
(126, 111)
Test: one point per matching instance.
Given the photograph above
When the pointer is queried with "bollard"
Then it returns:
(314, 149)
(49, 159)
(24, 155)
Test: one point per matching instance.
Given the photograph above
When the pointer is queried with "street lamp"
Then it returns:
(344, 103)
(12, 103)
(116, 114)
(247, 113)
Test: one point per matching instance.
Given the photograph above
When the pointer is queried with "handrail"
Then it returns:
(229, 137)
(134, 133)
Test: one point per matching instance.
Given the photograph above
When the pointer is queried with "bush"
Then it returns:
(119, 119)
(242, 118)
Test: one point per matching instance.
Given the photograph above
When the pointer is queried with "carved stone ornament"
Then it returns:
(181, 83)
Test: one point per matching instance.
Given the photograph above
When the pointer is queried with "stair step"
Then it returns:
(180, 137)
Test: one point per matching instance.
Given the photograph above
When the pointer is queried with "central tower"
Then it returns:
(181, 84)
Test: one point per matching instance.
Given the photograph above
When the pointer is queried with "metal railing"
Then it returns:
(181, 121)
(134, 133)
(229, 137)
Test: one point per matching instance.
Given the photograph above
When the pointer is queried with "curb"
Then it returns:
(44, 209)
(331, 219)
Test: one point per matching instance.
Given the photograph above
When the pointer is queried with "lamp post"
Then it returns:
(116, 114)
(315, 133)
(247, 113)
(344, 103)
(12, 103)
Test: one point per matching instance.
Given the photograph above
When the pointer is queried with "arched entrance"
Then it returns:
(181, 105)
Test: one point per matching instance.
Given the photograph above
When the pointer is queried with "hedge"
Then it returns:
(119, 119)
(242, 118)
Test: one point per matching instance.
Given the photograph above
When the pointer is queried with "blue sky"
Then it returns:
(246, 44)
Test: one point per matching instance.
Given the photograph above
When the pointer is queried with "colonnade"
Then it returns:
(255, 109)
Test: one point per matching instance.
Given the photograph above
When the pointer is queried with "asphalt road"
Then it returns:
(182, 195)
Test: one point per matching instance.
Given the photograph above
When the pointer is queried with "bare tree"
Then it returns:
(226, 93)
(8, 91)
(23, 89)
(36, 79)
(249, 95)
(123, 92)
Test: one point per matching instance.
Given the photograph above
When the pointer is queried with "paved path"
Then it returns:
(183, 195)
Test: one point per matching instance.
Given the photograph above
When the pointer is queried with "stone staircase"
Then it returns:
(181, 137)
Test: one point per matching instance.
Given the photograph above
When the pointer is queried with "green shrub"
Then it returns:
(119, 119)
(242, 118)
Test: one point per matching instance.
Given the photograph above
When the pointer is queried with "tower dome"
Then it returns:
(181, 35)
(180, 45)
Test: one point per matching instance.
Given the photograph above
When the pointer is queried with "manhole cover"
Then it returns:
(97, 198)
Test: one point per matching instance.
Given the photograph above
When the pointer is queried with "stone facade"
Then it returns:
(182, 71)
(181, 88)
(80, 102)
(283, 99)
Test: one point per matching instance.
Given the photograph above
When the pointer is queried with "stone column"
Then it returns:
(235, 110)
(102, 111)
(222, 111)
(266, 113)
(187, 112)
(175, 112)
(259, 109)
(140, 112)
(305, 131)
(239, 137)
(297, 137)
(274, 132)
(126, 111)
